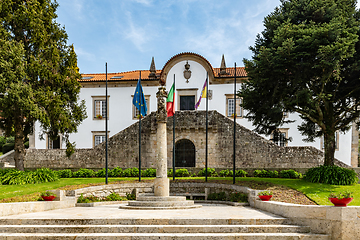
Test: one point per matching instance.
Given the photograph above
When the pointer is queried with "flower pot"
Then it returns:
(342, 202)
(265, 197)
(48, 198)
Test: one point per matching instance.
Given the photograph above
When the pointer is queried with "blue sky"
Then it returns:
(127, 33)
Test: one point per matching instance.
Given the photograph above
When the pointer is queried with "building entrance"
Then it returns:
(184, 153)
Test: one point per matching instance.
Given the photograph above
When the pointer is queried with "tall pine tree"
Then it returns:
(38, 74)
(306, 61)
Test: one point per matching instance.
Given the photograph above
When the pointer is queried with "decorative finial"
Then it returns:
(187, 72)
(223, 66)
(152, 69)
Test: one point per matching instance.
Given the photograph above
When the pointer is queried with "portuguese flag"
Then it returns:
(170, 102)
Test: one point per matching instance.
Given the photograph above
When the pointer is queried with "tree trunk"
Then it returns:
(329, 148)
(19, 147)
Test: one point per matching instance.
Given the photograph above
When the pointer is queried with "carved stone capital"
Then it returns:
(161, 114)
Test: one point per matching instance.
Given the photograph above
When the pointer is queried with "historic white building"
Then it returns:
(190, 72)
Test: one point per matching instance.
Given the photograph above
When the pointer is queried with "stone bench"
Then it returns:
(192, 195)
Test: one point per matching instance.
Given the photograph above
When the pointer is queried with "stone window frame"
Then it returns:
(98, 133)
(337, 142)
(49, 142)
(135, 111)
(94, 100)
(282, 130)
(239, 110)
(185, 92)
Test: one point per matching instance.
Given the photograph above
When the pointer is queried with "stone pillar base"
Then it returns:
(161, 187)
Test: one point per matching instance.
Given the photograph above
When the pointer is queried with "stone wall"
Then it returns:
(252, 150)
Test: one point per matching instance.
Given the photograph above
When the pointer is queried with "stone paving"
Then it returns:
(208, 211)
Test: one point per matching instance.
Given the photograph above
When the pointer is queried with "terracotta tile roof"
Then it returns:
(122, 76)
(134, 75)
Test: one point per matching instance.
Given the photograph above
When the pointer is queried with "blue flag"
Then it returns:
(140, 98)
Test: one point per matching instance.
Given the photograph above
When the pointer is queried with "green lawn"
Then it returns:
(315, 191)
(8, 191)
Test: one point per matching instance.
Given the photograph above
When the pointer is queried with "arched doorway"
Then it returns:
(184, 153)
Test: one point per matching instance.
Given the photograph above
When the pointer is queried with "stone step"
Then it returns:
(144, 221)
(153, 229)
(165, 236)
(161, 204)
(149, 197)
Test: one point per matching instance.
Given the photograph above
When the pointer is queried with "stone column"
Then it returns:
(354, 145)
(32, 139)
(161, 183)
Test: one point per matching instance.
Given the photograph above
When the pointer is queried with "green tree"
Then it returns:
(306, 60)
(38, 74)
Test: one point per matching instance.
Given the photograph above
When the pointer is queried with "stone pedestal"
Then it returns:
(161, 199)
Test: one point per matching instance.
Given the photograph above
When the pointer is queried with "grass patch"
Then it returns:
(317, 192)
(30, 192)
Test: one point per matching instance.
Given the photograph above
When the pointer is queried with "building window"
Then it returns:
(135, 111)
(281, 138)
(187, 98)
(336, 141)
(230, 106)
(99, 107)
(99, 137)
(53, 144)
(187, 102)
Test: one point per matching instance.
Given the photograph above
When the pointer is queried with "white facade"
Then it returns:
(121, 108)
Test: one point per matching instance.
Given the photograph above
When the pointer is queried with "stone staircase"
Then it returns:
(166, 229)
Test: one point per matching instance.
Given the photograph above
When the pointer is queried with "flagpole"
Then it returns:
(174, 134)
(106, 127)
(207, 108)
(234, 165)
(140, 94)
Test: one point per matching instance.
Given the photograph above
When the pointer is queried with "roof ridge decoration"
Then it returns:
(223, 66)
(152, 73)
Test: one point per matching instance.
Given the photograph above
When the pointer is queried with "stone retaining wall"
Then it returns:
(175, 187)
(252, 150)
(60, 202)
(341, 223)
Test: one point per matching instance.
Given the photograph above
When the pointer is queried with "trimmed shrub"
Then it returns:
(89, 199)
(170, 173)
(42, 175)
(290, 174)
(2, 141)
(183, 172)
(16, 177)
(116, 172)
(226, 173)
(130, 196)
(221, 196)
(65, 173)
(333, 175)
(240, 173)
(150, 172)
(114, 197)
(131, 172)
(210, 172)
(238, 197)
(101, 173)
(83, 173)
(7, 147)
(3, 171)
(266, 173)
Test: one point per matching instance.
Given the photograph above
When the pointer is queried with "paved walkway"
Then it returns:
(208, 211)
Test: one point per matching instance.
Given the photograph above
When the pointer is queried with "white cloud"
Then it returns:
(136, 34)
(84, 54)
(145, 2)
